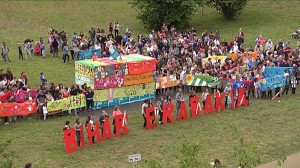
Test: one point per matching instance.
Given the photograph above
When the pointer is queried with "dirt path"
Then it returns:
(293, 161)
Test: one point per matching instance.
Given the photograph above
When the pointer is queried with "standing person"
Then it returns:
(91, 121)
(42, 78)
(5, 51)
(160, 104)
(24, 79)
(65, 53)
(77, 129)
(27, 48)
(179, 99)
(144, 107)
(204, 96)
(41, 100)
(20, 52)
(293, 84)
(45, 111)
(102, 119)
(287, 84)
(150, 104)
(43, 50)
(117, 28)
(55, 47)
(67, 126)
(227, 91)
(89, 98)
(116, 112)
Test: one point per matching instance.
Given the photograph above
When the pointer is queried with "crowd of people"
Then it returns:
(177, 53)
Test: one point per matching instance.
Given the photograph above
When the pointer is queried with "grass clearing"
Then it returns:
(271, 125)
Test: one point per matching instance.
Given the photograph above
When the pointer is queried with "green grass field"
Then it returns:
(273, 126)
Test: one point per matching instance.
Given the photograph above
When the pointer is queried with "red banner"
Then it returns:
(18, 109)
(141, 67)
(4, 97)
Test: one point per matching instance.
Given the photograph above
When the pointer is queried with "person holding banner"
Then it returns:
(116, 112)
(102, 119)
(90, 121)
(144, 107)
(204, 95)
(179, 99)
(160, 104)
(77, 129)
(41, 100)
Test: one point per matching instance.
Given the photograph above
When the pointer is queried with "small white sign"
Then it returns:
(134, 158)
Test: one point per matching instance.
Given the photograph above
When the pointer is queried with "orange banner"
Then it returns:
(18, 109)
(166, 82)
(138, 79)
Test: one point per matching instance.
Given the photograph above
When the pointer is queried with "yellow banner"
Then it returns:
(166, 82)
(84, 70)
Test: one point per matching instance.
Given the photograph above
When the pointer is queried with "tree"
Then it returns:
(153, 13)
(229, 8)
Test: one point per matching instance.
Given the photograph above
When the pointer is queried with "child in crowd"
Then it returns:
(45, 111)
(293, 84)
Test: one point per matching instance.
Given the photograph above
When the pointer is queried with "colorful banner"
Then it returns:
(18, 109)
(80, 80)
(273, 71)
(166, 82)
(84, 70)
(109, 82)
(109, 94)
(141, 67)
(125, 100)
(72, 102)
(141, 89)
(138, 79)
(201, 80)
(272, 82)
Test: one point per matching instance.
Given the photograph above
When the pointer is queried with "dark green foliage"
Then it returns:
(153, 13)
(228, 8)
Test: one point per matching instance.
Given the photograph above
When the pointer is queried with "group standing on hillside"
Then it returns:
(177, 53)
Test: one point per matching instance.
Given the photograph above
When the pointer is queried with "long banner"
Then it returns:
(273, 71)
(166, 82)
(124, 100)
(18, 109)
(69, 103)
(201, 80)
(138, 79)
(109, 82)
(141, 67)
(272, 82)
(123, 92)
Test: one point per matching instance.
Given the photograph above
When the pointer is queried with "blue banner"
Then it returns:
(273, 71)
(272, 82)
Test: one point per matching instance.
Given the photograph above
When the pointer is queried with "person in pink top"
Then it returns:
(116, 112)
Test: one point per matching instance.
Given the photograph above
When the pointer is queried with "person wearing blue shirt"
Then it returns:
(42, 78)
(65, 53)
(124, 39)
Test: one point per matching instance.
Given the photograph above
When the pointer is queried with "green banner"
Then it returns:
(109, 94)
(201, 80)
(69, 103)
(128, 91)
